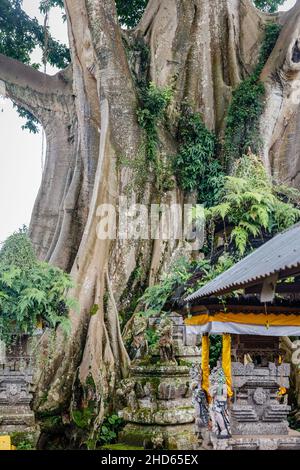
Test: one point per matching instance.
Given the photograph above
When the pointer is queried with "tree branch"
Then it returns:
(23, 84)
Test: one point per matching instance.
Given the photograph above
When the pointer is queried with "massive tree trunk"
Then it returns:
(281, 119)
(204, 49)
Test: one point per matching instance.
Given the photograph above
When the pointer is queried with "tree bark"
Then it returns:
(204, 49)
(281, 119)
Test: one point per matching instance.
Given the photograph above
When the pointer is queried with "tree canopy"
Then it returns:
(269, 6)
(130, 11)
(20, 35)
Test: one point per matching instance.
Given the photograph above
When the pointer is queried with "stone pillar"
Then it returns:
(156, 401)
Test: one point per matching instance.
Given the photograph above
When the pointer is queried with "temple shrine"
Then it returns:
(243, 403)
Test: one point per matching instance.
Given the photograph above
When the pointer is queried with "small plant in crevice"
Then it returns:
(196, 166)
(152, 336)
(22, 440)
(84, 418)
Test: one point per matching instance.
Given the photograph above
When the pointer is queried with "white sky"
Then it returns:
(20, 151)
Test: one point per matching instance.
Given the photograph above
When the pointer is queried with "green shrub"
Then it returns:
(196, 166)
(251, 204)
(23, 440)
(110, 429)
(84, 418)
(242, 122)
(272, 31)
(17, 250)
(30, 290)
(154, 103)
(243, 118)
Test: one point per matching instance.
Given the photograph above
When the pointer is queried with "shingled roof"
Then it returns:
(280, 255)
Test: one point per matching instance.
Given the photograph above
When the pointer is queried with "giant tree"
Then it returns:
(98, 139)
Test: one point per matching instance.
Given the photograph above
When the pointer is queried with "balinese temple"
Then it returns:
(253, 305)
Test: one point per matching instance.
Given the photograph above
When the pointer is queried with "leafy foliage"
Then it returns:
(110, 429)
(251, 204)
(130, 11)
(17, 250)
(196, 166)
(19, 37)
(211, 271)
(83, 418)
(22, 440)
(272, 31)
(242, 123)
(30, 291)
(154, 104)
(269, 6)
(157, 298)
(215, 350)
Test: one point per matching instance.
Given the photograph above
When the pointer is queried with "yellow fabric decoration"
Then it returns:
(245, 318)
(226, 362)
(205, 365)
(282, 391)
(5, 443)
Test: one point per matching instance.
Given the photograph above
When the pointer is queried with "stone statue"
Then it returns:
(139, 346)
(126, 395)
(165, 342)
(199, 400)
(219, 405)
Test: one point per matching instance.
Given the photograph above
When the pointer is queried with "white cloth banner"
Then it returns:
(218, 328)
